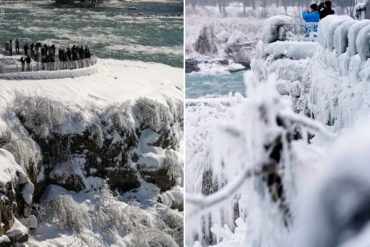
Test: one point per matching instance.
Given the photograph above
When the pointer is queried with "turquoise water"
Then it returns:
(205, 85)
(147, 31)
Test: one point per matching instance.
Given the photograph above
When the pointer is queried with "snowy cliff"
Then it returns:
(97, 159)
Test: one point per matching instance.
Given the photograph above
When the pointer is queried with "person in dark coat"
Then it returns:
(11, 47)
(28, 61)
(52, 48)
(74, 54)
(26, 48)
(87, 52)
(46, 49)
(81, 52)
(69, 54)
(23, 61)
(17, 46)
(43, 52)
(43, 62)
(32, 47)
(325, 9)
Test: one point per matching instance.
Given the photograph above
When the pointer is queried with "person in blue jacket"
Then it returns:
(311, 15)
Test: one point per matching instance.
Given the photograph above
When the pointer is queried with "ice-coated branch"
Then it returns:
(202, 202)
(308, 123)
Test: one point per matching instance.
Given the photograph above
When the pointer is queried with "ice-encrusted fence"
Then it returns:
(284, 28)
(334, 33)
(38, 66)
(298, 31)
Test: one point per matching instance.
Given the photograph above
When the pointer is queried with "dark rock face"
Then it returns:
(108, 161)
(240, 52)
(205, 44)
(123, 180)
(191, 65)
(12, 204)
(159, 178)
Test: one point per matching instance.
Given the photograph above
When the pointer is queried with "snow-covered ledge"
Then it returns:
(59, 70)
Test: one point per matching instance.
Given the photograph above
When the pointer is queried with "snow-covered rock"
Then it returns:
(87, 135)
(18, 233)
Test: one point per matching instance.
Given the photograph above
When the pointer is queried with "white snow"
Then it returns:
(73, 167)
(175, 195)
(100, 219)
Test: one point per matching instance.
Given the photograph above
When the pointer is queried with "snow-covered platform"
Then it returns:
(114, 81)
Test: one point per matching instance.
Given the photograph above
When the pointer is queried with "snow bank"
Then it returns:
(97, 218)
(115, 81)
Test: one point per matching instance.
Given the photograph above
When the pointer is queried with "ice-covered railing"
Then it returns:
(38, 66)
(342, 34)
(298, 31)
(282, 28)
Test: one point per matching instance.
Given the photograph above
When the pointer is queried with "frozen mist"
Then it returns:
(285, 165)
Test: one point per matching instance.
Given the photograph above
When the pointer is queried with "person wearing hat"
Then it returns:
(325, 9)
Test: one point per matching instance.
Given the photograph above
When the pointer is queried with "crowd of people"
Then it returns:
(317, 12)
(46, 54)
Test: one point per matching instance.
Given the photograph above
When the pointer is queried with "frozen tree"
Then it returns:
(253, 171)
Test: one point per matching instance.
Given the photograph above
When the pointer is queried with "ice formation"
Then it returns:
(286, 166)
